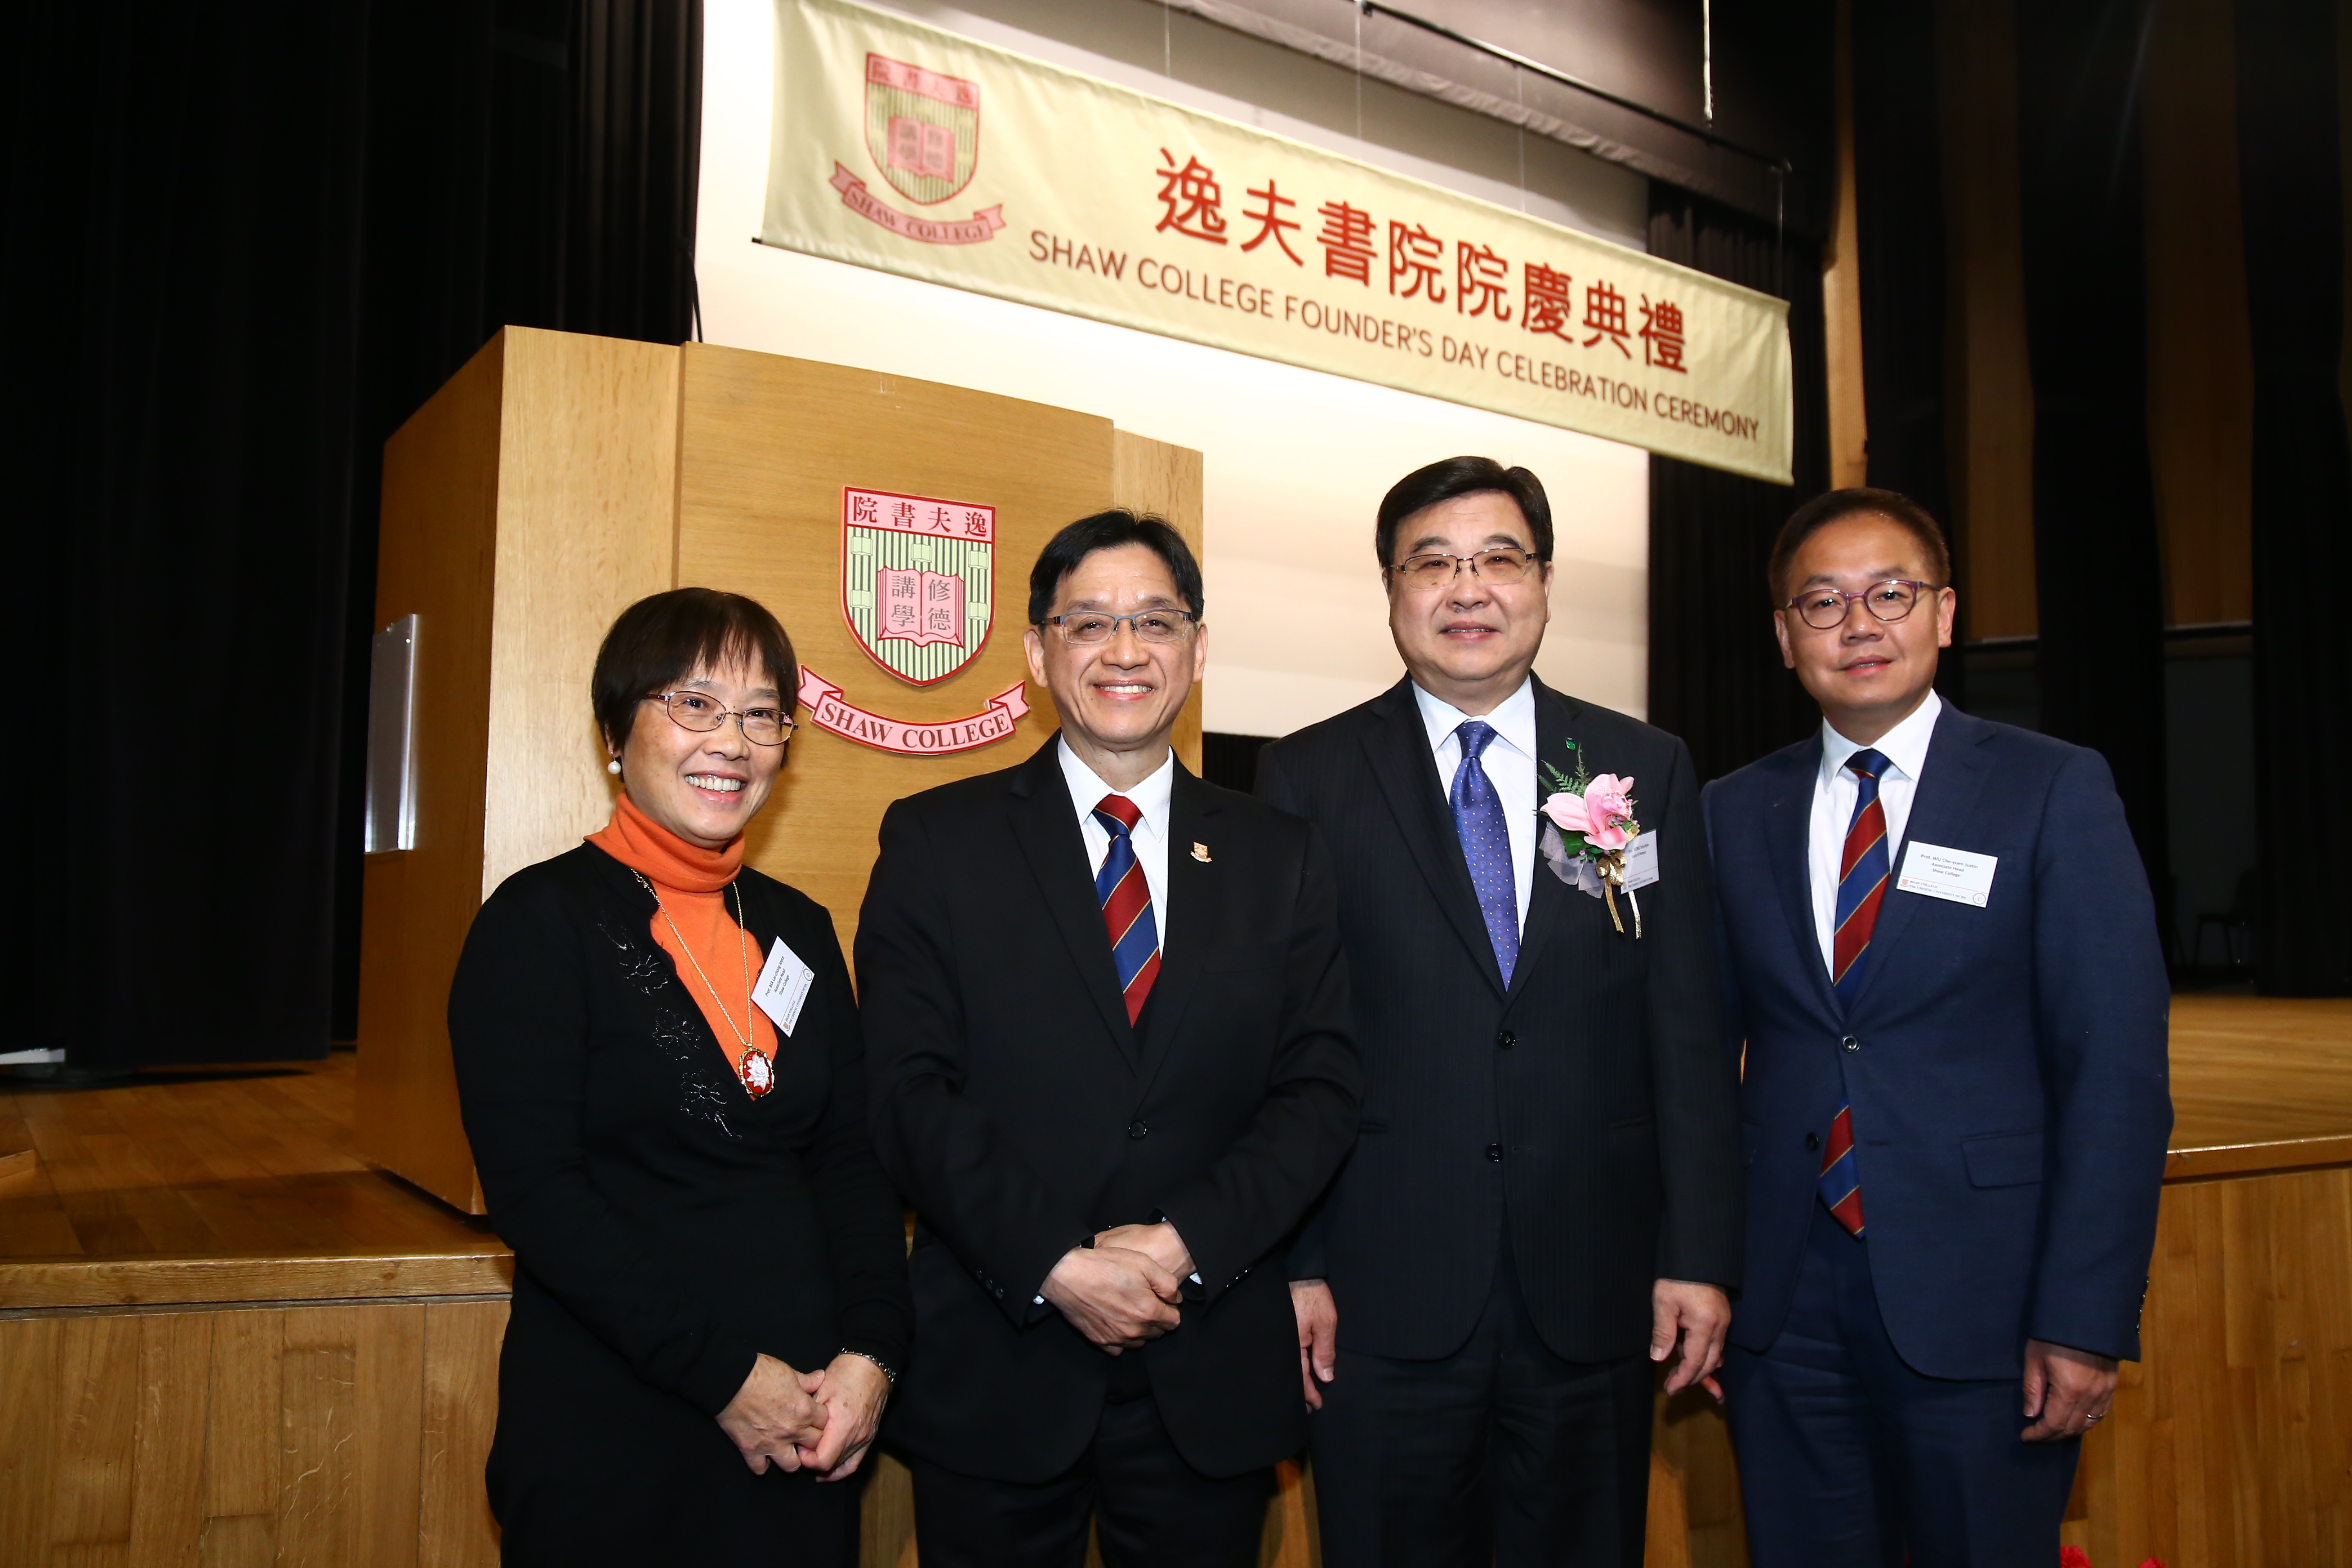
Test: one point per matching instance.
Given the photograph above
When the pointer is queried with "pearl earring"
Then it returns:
(614, 767)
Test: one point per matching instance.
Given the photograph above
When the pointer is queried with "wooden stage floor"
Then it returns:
(213, 1195)
(228, 1183)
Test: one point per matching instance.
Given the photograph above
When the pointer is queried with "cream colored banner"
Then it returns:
(902, 147)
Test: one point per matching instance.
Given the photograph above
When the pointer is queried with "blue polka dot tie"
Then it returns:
(1486, 844)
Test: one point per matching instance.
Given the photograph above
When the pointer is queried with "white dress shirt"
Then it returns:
(1510, 764)
(1150, 835)
(1835, 790)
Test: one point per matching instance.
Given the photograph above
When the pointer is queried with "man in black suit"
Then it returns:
(1547, 1183)
(1106, 1023)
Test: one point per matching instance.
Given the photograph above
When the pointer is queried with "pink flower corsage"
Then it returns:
(1589, 826)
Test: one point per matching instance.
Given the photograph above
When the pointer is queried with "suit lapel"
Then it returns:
(1188, 926)
(1789, 833)
(1548, 895)
(1046, 827)
(1398, 750)
(1941, 809)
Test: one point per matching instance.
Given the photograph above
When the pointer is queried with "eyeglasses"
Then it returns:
(1090, 628)
(701, 712)
(1497, 568)
(1824, 608)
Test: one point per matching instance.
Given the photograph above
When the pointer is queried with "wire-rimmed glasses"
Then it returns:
(1090, 628)
(701, 712)
(1497, 568)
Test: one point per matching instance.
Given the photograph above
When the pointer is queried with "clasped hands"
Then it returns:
(822, 1421)
(1121, 1292)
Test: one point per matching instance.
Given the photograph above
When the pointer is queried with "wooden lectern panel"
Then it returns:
(587, 503)
(767, 446)
(524, 506)
(436, 560)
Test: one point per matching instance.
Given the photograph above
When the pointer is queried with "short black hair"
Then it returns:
(660, 640)
(1835, 505)
(1109, 531)
(1453, 478)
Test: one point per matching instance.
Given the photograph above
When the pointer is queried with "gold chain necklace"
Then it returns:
(756, 1071)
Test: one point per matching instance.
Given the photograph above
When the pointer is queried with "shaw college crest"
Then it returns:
(922, 129)
(917, 581)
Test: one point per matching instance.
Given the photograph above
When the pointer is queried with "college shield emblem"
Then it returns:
(917, 581)
(922, 128)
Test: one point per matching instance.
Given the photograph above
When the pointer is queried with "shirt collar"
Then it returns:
(1513, 720)
(1150, 795)
(1905, 746)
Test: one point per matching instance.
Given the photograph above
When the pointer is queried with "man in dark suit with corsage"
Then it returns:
(1941, 953)
(1107, 1011)
(1544, 1198)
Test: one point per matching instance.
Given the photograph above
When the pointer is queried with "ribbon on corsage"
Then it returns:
(1589, 826)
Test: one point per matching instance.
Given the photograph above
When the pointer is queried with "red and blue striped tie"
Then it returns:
(1861, 888)
(1126, 900)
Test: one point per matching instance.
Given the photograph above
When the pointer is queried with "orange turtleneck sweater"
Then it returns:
(692, 882)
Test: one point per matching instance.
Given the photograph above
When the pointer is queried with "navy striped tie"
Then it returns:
(1861, 888)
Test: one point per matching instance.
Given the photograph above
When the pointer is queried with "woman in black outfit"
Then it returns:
(709, 1299)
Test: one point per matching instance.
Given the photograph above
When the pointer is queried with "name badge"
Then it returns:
(784, 983)
(1641, 861)
(1959, 875)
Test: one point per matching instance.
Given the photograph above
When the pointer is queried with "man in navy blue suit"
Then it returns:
(1941, 953)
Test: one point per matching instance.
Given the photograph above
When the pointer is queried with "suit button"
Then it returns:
(1494, 1153)
(1813, 1141)
(1850, 1043)
(1137, 1129)
(1507, 1039)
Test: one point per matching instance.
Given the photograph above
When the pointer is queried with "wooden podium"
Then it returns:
(558, 478)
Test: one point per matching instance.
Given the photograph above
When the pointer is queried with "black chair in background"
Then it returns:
(2237, 924)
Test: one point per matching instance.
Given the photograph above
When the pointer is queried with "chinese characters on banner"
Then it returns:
(1161, 218)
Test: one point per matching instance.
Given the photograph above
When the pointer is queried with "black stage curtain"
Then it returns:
(248, 241)
(1715, 676)
(1230, 759)
(2098, 576)
(1899, 234)
(187, 231)
(2291, 186)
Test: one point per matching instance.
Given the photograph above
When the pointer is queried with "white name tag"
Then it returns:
(1959, 875)
(1641, 861)
(784, 983)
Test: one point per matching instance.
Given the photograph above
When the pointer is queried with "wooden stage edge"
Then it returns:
(220, 1327)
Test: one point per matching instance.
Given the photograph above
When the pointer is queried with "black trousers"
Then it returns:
(1848, 1458)
(1151, 1509)
(1501, 1453)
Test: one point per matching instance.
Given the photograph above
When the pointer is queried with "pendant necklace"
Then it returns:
(756, 1071)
